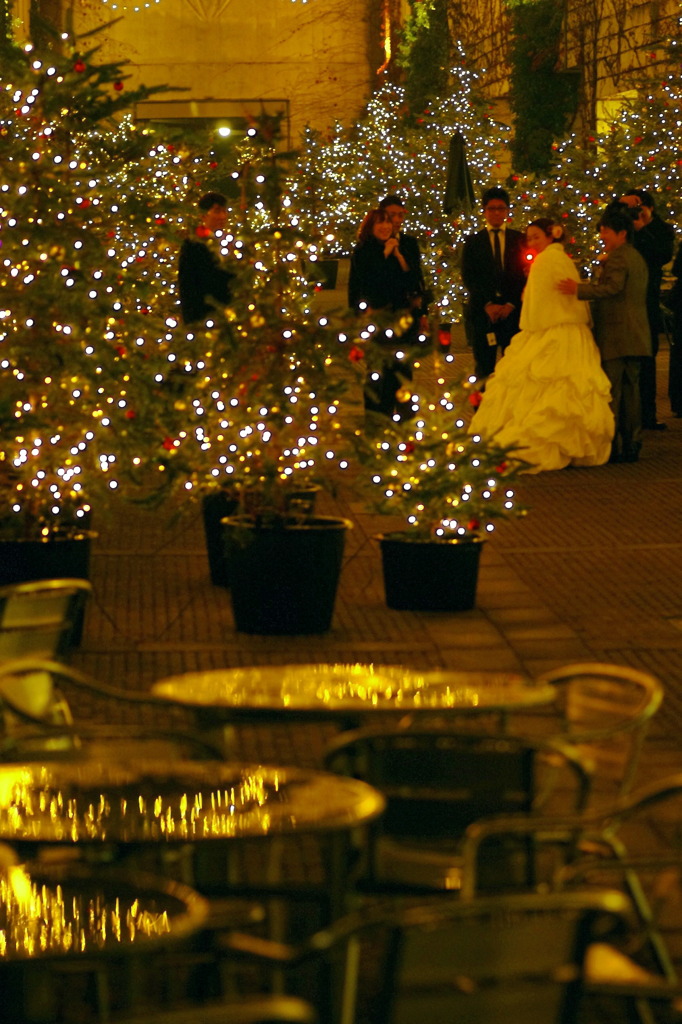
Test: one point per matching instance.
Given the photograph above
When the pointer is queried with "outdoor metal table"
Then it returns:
(346, 694)
(144, 807)
(64, 910)
(68, 916)
(147, 802)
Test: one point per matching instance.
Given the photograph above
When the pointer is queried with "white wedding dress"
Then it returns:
(549, 396)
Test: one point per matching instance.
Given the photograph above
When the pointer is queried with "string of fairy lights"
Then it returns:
(124, 6)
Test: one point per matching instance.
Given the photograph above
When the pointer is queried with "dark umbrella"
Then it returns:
(459, 191)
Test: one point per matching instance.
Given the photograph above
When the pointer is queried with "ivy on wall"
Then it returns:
(5, 22)
(424, 53)
(544, 99)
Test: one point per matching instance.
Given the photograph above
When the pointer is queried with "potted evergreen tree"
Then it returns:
(269, 418)
(449, 486)
(77, 326)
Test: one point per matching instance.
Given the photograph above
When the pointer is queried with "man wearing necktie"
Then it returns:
(493, 272)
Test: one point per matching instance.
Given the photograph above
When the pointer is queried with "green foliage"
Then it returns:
(637, 150)
(441, 478)
(78, 321)
(5, 24)
(425, 53)
(542, 98)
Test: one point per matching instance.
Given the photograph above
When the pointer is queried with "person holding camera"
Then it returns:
(381, 280)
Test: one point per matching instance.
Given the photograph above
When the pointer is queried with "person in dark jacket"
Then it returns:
(203, 282)
(674, 303)
(621, 327)
(654, 240)
(382, 280)
(395, 208)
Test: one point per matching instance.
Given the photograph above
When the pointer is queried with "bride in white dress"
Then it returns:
(549, 395)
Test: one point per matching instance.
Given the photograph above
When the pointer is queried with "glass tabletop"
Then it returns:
(86, 801)
(350, 689)
(70, 910)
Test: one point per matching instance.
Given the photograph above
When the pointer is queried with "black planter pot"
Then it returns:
(215, 508)
(429, 576)
(284, 578)
(66, 557)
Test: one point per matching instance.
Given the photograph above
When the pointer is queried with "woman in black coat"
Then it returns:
(382, 279)
(674, 302)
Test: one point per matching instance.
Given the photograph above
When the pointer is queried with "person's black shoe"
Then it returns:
(654, 426)
(631, 454)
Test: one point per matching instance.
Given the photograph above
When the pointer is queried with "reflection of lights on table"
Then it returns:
(317, 689)
(65, 914)
(84, 801)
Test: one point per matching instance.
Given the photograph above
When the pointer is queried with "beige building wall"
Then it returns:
(312, 59)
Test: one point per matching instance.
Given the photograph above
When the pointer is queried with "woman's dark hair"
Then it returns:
(211, 199)
(391, 201)
(366, 228)
(549, 227)
(618, 217)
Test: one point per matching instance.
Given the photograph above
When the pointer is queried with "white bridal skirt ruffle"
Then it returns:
(549, 397)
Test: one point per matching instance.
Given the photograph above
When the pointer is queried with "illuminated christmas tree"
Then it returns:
(393, 149)
(260, 401)
(78, 328)
(639, 149)
(446, 483)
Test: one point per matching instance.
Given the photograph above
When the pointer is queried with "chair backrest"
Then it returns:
(437, 782)
(257, 1009)
(41, 618)
(511, 959)
(36, 721)
(607, 710)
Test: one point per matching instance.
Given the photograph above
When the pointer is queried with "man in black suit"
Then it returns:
(203, 282)
(493, 273)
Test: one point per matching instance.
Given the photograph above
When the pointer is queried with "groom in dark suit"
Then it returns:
(493, 273)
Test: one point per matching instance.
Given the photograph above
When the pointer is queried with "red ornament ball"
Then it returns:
(118, 86)
(79, 67)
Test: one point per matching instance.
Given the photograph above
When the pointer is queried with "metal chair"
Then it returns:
(256, 1009)
(637, 845)
(36, 722)
(606, 711)
(41, 618)
(512, 958)
(436, 783)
